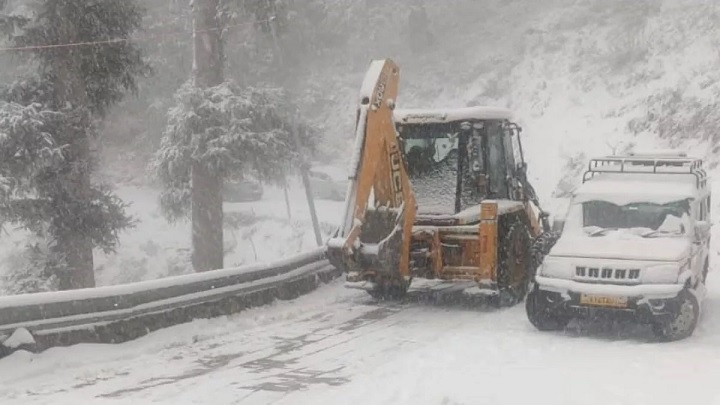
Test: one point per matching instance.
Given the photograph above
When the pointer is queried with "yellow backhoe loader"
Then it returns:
(438, 199)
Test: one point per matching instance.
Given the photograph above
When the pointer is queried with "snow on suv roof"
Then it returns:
(659, 153)
(440, 116)
(626, 188)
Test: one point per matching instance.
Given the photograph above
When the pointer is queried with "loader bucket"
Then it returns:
(378, 249)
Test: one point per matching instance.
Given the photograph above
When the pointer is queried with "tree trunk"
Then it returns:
(72, 240)
(207, 213)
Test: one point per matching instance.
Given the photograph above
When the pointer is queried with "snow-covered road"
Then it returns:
(336, 346)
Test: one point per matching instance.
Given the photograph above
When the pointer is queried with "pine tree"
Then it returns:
(133, 129)
(230, 132)
(219, 130)
(49, 119)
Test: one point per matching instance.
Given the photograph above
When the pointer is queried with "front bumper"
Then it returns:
(645, 303)
(650, 291)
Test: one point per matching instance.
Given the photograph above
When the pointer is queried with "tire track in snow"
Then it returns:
(345, 346)
(275, 364)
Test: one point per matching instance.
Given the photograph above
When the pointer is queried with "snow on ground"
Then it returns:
(337, 346)
(583, 78)
(255, 232)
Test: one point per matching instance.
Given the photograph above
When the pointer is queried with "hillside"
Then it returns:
(584, 77)
(574, 71)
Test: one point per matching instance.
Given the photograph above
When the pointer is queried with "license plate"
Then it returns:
(604, 301)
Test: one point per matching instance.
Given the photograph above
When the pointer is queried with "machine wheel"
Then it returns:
(683, 322)
(540, 315)
(514, 264)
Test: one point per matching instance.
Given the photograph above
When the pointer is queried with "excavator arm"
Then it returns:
(373, 241)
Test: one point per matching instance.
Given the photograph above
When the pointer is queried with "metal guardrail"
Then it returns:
(124, 312)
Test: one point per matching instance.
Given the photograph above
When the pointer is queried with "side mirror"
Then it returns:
(702, 230)
(558, 225)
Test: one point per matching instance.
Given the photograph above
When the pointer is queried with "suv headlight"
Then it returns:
(555, 267)
(663, 273)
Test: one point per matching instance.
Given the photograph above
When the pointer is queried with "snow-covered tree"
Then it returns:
(33, 269)
(231, 132)
(218, 130)
(49, 118)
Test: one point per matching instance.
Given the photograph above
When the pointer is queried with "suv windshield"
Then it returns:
(643, 218)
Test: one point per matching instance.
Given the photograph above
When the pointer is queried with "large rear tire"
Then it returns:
(514, 262)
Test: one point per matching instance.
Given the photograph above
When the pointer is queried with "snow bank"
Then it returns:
(21, 337)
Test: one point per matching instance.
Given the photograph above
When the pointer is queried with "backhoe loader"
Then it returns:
(437, 198)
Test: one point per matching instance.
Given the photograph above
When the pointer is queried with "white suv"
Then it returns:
(634, 242)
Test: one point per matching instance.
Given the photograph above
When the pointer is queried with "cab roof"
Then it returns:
(445, 115)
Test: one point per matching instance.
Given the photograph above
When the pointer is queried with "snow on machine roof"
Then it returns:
(444, 115)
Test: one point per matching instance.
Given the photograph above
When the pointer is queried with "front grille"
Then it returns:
(606, 274)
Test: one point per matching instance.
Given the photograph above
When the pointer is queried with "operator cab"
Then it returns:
(456, 158)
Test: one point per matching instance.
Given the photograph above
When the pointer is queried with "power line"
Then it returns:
(125, 40)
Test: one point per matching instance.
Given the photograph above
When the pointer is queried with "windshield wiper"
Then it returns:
(659, 232)
(597, 231)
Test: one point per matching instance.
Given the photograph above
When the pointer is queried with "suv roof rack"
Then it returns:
(648, 165)
(658, 153)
